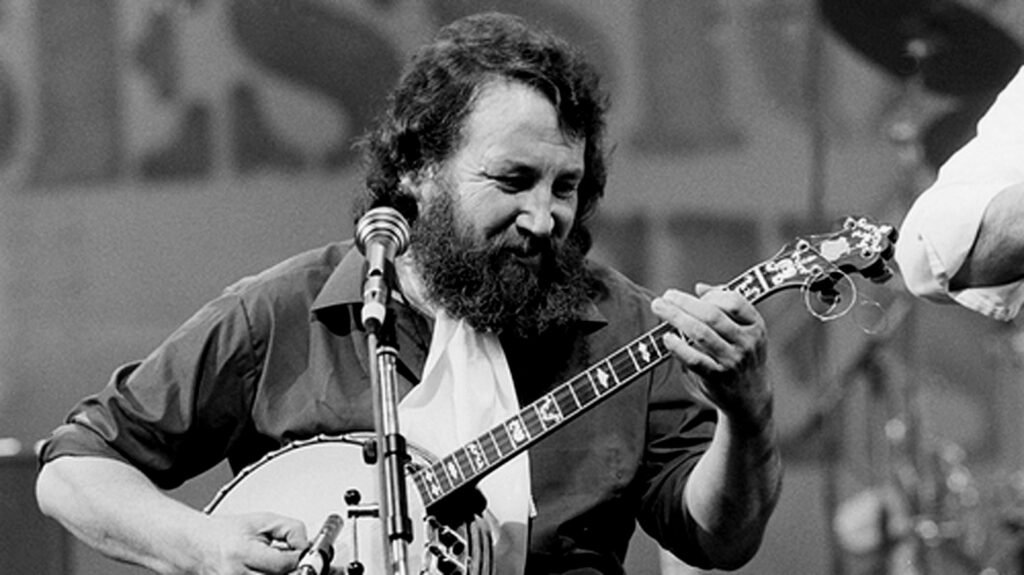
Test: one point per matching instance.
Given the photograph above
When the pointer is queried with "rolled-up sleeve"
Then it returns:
(184, 398)
(939, 230)
(679, 432)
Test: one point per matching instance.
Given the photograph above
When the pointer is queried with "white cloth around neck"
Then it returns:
(466, 390)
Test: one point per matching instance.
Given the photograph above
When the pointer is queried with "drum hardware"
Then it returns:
(946, 47)
(950, 48)
(881, 521)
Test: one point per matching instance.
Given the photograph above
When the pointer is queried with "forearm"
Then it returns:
(115, 509)
(733, 491)
(997, 256)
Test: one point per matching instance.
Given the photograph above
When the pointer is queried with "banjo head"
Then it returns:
(311, 479)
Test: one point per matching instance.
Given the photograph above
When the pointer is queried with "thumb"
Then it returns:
(701, 288)
(282, 541)
(291, 531)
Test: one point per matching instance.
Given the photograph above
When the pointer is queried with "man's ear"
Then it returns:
(419, 184)
(409, 185)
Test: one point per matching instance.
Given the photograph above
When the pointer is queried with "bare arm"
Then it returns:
(734, 488)
(115, 509)
(997, 256)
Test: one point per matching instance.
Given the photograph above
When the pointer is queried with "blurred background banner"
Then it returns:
(154, 151)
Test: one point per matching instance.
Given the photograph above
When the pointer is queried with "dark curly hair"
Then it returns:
(422, 125)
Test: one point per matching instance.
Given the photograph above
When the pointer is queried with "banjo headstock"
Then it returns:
(817, 262)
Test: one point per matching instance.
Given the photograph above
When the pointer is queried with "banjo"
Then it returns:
(816, 263)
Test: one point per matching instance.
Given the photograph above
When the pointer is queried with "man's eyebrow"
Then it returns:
(519, 167)
(571, 173)
(505, 167)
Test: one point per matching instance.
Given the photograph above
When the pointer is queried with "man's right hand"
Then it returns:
(115, 509)
(253, 543)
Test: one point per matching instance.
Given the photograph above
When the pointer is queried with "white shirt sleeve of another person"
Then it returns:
(939, 229)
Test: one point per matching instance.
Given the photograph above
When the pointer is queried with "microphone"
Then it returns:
(381, 235)
(317, 558)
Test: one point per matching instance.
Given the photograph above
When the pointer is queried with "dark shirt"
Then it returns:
(281, 356)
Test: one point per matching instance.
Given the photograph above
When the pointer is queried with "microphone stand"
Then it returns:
(381, 235)
(391, 450)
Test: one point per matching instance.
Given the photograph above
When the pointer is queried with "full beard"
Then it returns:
(484, 282)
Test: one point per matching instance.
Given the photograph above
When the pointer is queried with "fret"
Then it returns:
(465, 465)
(748, 286)
(643, 354)
(634, 360)
(419, 479)
(618, 363)
(759, 274)
(548, 411)
(477, 456)
(620, 367)
(584, 389)
(620, 374)
(620, 358)
(502, 440)
(490, 447)
(517, 432)
(431, 484)
(441, 474)
(453, 472)
(657, 336)
(531, 421)
(566, 400)
(600, 378)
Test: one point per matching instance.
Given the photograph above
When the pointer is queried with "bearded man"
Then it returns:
(493, 147)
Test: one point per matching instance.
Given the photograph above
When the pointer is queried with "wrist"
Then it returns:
(756, 423)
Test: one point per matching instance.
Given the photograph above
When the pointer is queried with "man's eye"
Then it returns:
(513, 183)
(566, 190)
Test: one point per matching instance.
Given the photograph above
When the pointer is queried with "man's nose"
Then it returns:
(536, 214)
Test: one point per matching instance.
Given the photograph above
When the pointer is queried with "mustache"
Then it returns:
(527, 246)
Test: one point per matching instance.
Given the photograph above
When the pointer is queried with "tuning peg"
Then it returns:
(448, 536)
(444, 562)
(878, 272)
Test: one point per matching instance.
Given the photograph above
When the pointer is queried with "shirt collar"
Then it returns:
(345, 284)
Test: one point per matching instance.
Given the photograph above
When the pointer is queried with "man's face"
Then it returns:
(493, 237)
(516, 174)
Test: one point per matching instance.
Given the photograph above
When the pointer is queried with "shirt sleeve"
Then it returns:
(190, 396)
(940, 228)
(680, 430)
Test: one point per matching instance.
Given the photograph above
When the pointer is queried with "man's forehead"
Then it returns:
(510, 104)
(513, 122)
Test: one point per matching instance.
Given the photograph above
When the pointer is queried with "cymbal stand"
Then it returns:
(832, 429)
(904, 431)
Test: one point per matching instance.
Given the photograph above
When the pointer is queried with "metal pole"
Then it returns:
(817, 178)
(391, 457)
